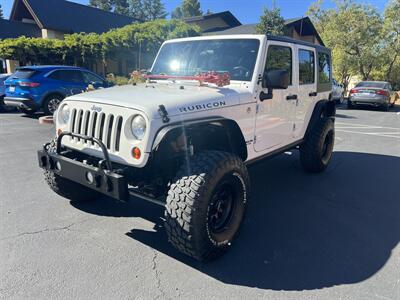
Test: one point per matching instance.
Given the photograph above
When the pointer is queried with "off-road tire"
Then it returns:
(316, 150)
(191, 198)
(67, 188)
(48, 105)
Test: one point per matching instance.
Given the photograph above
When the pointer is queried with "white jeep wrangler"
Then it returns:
(210, 106)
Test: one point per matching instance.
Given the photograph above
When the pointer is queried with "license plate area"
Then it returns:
(11, 89)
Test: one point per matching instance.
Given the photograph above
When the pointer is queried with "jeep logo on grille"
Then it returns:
(96, 108)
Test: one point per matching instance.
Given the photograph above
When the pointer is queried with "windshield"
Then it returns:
(371, 84)
(235, 56)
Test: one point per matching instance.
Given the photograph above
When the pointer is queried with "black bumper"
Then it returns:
(24, 103)
(101, 178)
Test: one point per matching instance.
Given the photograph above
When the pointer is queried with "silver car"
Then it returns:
(373, 93)
(337, 92)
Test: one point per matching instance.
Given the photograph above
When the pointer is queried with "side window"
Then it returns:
(67, 75)
(324, 68)
(279, 58)
(306, 67)
(89, 77)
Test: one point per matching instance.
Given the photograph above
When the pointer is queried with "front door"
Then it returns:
(307, 87)
(274, 119)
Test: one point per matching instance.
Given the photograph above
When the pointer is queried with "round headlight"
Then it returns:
(64, 114)
(138, 127)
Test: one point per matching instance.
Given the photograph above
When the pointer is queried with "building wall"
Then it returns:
(52, 34)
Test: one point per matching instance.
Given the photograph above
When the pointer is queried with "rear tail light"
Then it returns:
(382, 92)
(353, 91)
(29, 84)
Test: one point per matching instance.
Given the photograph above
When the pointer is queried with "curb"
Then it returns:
(46, 120)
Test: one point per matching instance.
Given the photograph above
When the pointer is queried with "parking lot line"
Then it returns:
(372, 133)
(363, 125)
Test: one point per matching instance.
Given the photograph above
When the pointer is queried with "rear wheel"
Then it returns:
(206, 204)
(316, 150)
(51, 103)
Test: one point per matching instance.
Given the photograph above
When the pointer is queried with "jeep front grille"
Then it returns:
(105, 127)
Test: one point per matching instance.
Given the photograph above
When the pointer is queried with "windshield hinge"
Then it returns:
(163, 113)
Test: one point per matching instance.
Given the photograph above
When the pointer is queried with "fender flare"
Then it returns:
(325, 108)
(233, 130)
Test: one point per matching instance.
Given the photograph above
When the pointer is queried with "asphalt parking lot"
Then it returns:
(329, 236)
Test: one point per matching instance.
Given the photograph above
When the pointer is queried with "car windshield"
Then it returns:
(371, 84)
(235, 56)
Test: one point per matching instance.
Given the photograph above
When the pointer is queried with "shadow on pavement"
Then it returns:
(302, 231)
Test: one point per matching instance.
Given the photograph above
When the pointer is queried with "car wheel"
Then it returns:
(51, 104)
(316, 150)
(206, 204)
(67, 188)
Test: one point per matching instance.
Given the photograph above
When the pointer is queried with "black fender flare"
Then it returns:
(233, 130)
(323, 108)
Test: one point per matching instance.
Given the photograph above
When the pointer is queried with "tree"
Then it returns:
(188, 8)
(154, 10)
(271, 22)
(1, 13)
(102, 4)
(353, 31)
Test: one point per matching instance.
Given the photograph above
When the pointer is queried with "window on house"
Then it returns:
(306, 67)
(279, 58)
(324, 68)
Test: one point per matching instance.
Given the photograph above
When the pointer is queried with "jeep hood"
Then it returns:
(177, 98)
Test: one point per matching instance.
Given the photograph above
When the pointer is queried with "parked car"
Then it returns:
(337, 92)
(184, 139)
(37, 88)
(3, 77)
(374, 93)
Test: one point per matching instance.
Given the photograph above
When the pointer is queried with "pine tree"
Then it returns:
(188, 8)
(1, 13)
(271, 22)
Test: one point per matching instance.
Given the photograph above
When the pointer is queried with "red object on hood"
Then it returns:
(219, 79)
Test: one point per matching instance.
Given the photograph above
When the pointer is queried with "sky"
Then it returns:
(247, 11)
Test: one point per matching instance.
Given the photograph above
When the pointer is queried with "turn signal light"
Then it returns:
(136, 153)
(353, 91)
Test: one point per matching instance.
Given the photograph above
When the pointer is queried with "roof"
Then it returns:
(69, 17)
(303, 25)
(50, 67)
(226, 16)
(13, 29)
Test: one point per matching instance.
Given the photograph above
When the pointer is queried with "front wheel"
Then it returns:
(206, 204)
(316, 150)
(51, 104)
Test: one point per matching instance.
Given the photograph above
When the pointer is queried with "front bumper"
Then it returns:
(24, 103)
(102, 178)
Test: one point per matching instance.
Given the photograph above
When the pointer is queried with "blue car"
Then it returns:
(42, 88)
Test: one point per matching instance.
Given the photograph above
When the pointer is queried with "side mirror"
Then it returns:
(276, 79)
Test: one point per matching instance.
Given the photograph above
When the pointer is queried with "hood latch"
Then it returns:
(163, 113)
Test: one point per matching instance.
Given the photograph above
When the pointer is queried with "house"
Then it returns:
(52, 19)
(297, 28)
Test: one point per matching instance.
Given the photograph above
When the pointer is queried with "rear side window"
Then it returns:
(89, 78)
(306, 67)
(67, 75)
(23, 74)
(324, 68)
(279, 58)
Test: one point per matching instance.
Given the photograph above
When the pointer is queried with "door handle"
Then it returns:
(313, 94)
(291, 97)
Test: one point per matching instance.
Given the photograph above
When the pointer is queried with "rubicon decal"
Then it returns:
(203, 106)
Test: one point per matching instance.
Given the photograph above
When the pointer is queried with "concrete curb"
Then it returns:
(46, 120)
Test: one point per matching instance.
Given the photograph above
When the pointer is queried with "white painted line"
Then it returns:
(373, 134)
(364, 125)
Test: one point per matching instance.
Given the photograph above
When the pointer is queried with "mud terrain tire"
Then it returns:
(316, 150)
(206, 204)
